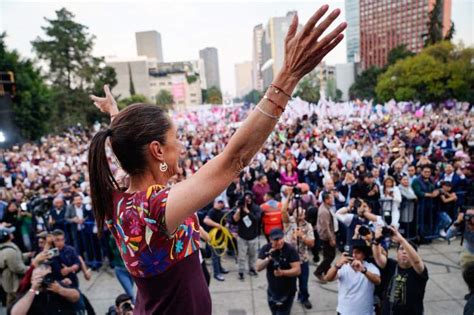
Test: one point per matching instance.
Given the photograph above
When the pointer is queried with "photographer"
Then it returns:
(123, 306)
(247, 217)
(357, 279)
(407, 276)
(447, 207)
(299, 233)
(46, 296)
(465, 224)
(357, 213)
(283, 266)
(67, 263)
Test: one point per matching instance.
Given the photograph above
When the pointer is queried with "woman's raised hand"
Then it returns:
(106, 104)
(305, 50)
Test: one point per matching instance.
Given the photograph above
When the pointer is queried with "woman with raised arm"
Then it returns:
(155, 227)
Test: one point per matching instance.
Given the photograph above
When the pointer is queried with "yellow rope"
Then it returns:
(221, 238)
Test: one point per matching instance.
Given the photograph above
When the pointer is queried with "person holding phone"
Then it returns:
(357, 279)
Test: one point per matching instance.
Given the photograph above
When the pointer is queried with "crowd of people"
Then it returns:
(357, 183)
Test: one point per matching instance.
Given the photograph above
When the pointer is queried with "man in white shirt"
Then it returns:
(357, 279)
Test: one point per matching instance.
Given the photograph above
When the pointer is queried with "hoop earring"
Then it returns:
(163, 167)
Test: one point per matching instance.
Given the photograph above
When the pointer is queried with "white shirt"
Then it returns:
(80, 215)
(356, 292)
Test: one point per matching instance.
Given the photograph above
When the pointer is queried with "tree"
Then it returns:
(338, 97)
(253, 97)
(164, 99)
(32, 100)
(364, 85)
(132, 99)
(213, 96)
(308, 90)
(440, 72)
(72, 70)
(398, 53)
(435, 26)
(132, 86)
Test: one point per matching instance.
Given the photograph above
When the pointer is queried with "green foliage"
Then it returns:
(440, 72)
(191, 78)
(132, 99)
(72, 69)
(164, 99)
(31, 104)
(213, 96)
(253, 97)
(364, 85)
(338, 97)
(398, 53)
(308, 90)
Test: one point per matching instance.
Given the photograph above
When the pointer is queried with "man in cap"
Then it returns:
(283, 267)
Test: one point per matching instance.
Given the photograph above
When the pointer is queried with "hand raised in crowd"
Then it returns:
(344, 259)
(357, 265)
(396, 236)
(305, 50)
(55, 287)
(106, 104)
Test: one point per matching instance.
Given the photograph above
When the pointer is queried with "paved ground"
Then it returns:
(444, 293)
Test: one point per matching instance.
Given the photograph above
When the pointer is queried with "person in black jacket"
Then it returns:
(247, 217)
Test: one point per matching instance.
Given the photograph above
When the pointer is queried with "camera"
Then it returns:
(47, 280)
(41, 206)
(276, 255)
(386, 232)
(126, 307)
(297, 192)
(53, 252)
(364, 230)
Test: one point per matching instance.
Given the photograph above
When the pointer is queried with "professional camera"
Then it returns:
(41, 206)
(297, 192)
(364, 230)
(47, 280)
(386, 232)
(276, 258)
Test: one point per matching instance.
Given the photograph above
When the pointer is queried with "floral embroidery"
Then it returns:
(139, 229)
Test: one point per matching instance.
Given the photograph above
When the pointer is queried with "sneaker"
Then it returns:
(307, 304)
(442, 233)
(241, 276)
(224, 271)
(253, 273)
(219, 277)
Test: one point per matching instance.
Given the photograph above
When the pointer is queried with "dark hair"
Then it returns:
(131, 130)
(415, 247)
(468, 276)
(57, 232)
(122, 298)
(326, 195)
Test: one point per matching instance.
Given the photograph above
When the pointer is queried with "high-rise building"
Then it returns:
(149, 45)
(353, 30)
(211, 66)
(273, 46)
(243, 78)
(257, 80)
(387, 24)
(345, 77)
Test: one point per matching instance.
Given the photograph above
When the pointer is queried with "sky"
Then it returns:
(185, 26)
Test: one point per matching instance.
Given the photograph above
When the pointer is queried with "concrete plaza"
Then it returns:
(444, 293)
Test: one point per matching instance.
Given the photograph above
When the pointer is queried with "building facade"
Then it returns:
(243, 78)
(345, 77)
(257, 80)
(211, 66)
(149, 45)
(387, 24)
(353, 30)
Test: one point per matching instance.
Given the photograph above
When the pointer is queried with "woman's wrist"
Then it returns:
(285, 81)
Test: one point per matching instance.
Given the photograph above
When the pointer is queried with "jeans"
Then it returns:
(444, 220)
(282, 306)
(216, 262)
(303, 294)
(125, 280)
(247, 249)
(329, 253)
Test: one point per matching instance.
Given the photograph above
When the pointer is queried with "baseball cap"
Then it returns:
(276, 234)
(5, 232)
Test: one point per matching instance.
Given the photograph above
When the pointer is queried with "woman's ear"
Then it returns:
(156, 151)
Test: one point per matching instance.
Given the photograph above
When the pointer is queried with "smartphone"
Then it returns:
(53, 252)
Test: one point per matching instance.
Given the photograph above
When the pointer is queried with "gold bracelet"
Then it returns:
(266, 114)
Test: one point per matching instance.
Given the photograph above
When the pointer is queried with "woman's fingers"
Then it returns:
(313, 20)
(331, 36)
(319, 30)
(292, 29)
(324, 51)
